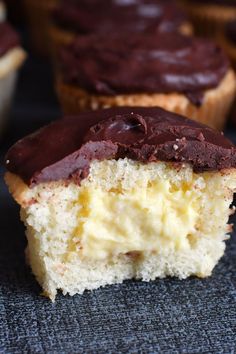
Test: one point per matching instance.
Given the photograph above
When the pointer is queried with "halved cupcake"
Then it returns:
(122, 193)
(186, 75)
(111, 16)
(12, 57)
(210, 16)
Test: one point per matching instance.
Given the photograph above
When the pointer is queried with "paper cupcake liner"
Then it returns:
(213, 112)
(209, 19)
(38, 16)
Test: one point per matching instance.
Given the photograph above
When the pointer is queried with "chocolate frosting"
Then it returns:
(105, 16)
(9, 38)
(230, 31)
(64, 149)
(144, 63)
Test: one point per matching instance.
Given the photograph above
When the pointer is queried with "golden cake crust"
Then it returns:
(16, 187)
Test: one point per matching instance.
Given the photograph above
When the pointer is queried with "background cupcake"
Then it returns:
(182, 74)
(71, 18)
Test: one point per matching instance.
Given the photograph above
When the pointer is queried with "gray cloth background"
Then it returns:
(165, 316)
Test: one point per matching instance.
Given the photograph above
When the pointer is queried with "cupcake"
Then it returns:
(127, 193)
(186, 75)
(210, 16)
(73, 18)
(12, 57)
(37, 13)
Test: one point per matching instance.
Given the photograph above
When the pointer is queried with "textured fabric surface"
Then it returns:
(165, 316)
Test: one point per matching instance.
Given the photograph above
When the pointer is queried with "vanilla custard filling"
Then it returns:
(125, 206)
(145, 218)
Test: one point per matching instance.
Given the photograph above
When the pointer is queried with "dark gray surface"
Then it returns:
(165, 316)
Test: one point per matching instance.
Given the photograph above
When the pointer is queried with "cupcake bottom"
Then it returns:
(9, 64)
(209, 19)
(38, 18)
(213, 112)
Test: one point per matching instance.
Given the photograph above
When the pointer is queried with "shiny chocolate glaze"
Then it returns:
(64, 149)
(144, 63)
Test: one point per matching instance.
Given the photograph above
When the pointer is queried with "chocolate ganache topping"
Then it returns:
(144, 63)
(9, 38)
(105, 16)
(64, 149)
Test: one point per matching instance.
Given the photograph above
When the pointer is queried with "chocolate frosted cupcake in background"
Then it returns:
(186, 75)
(210, 16)
(12, 57)
(37, 14)
(108, 16)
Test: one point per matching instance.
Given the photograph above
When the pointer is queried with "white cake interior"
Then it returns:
(126, 220)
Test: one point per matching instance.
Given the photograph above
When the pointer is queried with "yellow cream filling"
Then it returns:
(144, 218)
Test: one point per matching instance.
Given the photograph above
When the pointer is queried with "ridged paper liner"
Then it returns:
(213, 112)
(37, 12)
